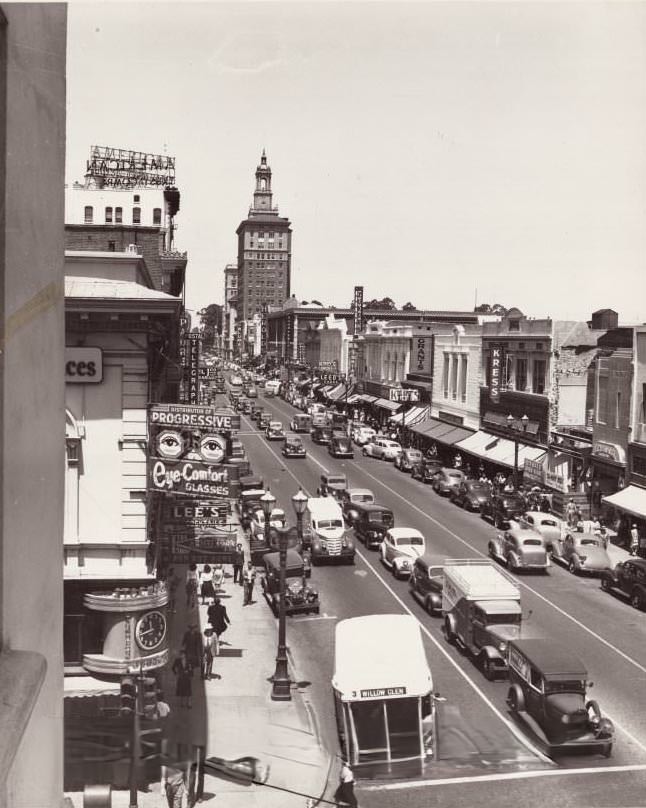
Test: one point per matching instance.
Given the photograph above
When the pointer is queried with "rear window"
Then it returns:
(336, 480)
(380, 518)
(590, 543)
(512, 502)
(548, 523)
(455, 474)
(362, 498)
(410, 541)
(532, 543)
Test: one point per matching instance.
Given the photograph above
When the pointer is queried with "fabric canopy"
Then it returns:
(368, 399)
(440, 431)
(631, 499)
(410, 417)
(336, 392)
(354, 398)
(499, 450)
(385, 404)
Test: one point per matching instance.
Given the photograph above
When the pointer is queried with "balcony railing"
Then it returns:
(178, 255)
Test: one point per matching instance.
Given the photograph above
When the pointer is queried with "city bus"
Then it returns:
(383, 694)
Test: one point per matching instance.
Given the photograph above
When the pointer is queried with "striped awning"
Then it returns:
(499, 450)
(386, 404)
(354, 398)
(410, 417)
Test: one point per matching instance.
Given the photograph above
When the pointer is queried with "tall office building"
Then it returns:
(264, 251)
(230, 307)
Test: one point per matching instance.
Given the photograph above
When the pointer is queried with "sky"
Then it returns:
(435, 153)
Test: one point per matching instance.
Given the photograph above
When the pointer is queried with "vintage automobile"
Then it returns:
(251, 482)
(293, 447)
(520, 548)
(322, 435)
(382, 448)
(332, 484)
(549, 526)
(426, 470)
(340, 445)
(300, 596)
(581, 552)
(275, 431)
(446, 480)
(548, 695)
(264, 419)
(371, 523)
(244, 406)
(352, 497)
(628, 578)
(400, 548)
(248, 504)
(257, 522)
(301, 422)
(503, 507)
(363, 434)
(251, 391)
(407, 459)
(470, 494)
(427, 581)
(256, 413)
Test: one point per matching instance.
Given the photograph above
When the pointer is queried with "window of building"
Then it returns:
(118, 215)
(445, 374)
(617, 409)
(112, 246)
(521, 373)
(136, 215)
(514, 325)
(463, 376)
(89, 214)
(108, 215)
(639, 465)
(454, 376)
(602, 400)
(538, 376)
(137, 198)
(156, 215)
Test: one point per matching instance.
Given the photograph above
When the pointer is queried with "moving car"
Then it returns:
(293, 447)
(300, 596)
(447, 480)
(628, 578)
(581, 552)
(332, 484)
(426, 470)
(427, 581)
(301, 422)
(503, 507)
(547, 693)
(371, 523)
(251, 391)
(363, 434)
(470, 494)
(400, 548)
(275, 431)
(408, 458)
(520, 548)
(550, 527)
(324, 526)
(340, 446)
(352, 497)
(264, 419)
(383, 448)
(322, 435)
(257, 412)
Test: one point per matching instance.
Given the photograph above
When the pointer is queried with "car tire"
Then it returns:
(488, 668)
(497, 522)
(428, 606)
(572, 567)
(636, 599)
(448, 631)
(605, 584)
(516, 700)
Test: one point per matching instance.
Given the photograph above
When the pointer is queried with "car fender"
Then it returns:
(514, 560)
(495, 547)
(451, 622)
(491, 652)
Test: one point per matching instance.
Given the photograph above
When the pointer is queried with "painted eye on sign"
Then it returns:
(83, 365)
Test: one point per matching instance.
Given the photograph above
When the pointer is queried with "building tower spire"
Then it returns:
(262, 195)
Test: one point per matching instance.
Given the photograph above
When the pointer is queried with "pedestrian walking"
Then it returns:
(218, 578)
(162, 710)
(191, 586)
(184, 680)
(345, 792)
(210, 649)
(192, 645)
(174, 785)
(207, 590)
(570, 513)
(249, 576)
(218, 617)
(238, 564)
(634, 540)
(172, 582)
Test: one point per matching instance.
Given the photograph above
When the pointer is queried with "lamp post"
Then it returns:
(281, 683)
(510, 423)
(267, 503)
(299, 501)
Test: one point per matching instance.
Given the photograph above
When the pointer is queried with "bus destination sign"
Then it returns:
(382, 692)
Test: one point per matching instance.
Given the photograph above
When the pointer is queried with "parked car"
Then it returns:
(350, 498)
(426, 470)
(257, 523)
(407, 459)
(371, 523)
(382, 448)
(363, 434)
(322, 435)
(581, 552)
(275, 431)
(400, 548)
(332, 485)
(520, 548)
(503, 507)
(340, 445)
(447, 480)
(427, 581)
(300, 596)
(550, 527)
(470, 494)
(293, 447)
(629, 579)
(547, 693)
(301, 422)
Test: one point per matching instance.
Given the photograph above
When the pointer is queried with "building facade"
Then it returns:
(230, 309)
(456, 376)
(264, 250)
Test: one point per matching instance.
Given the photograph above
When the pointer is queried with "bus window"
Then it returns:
(403, 727)
(370, 727)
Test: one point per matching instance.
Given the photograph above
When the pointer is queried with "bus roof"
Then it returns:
(380, 652)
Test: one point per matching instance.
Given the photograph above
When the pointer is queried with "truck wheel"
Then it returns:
(516, 700)
(448, 631)
(636, 599)
(488, 668)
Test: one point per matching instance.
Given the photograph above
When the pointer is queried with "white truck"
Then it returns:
(481, 608)
(323, 523)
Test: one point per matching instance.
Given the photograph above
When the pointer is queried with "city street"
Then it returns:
(479, 743)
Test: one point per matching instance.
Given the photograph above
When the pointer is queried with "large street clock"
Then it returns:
(150, 630)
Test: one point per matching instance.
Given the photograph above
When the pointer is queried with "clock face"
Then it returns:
(150, 630)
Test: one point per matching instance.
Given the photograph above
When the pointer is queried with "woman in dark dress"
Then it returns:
(183, 671)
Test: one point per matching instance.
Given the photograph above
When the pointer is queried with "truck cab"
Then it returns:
(323, 522)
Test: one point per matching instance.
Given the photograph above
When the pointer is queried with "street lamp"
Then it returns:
(281, 683)
(299, 501)
(267, 503)
(510, 423)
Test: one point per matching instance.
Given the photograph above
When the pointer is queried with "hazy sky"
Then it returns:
(423, 150)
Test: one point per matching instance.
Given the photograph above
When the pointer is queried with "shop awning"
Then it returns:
(441, 431)
(326, 389)
(631, 499)
(368, 399)
(84, 686)
(385, 404)
(354, 398)
(499, 450)
(340, 392)
(304, 383)
(410, 417)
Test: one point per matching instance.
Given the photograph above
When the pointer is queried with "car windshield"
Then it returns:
(589, 543)
(380, 518)
(503, 619)
(390, 444)
(328, 523)
(532, 542)
(362, 498)
(510, 502)
(568, 686)
(414, 455)
(454, 474)
(411, 541)
(478, 488)
(548, 523)
(336, 480)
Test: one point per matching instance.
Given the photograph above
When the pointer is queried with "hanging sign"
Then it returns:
(497, 359)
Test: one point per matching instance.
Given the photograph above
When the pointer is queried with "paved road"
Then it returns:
(478, 738)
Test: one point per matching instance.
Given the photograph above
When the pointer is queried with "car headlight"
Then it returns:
(582, 558)
(502, 647)
(405, 562)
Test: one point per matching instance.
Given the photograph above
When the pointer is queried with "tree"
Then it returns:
(211, 318)
(385, 304)
(409, 307)
(485, 308)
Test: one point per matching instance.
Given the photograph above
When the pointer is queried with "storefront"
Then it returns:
(624, 509)
(498, 454)
(438, 436)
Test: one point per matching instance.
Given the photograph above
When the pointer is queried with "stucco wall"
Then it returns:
(33, 426)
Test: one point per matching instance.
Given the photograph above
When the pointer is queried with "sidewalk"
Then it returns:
(233, 714)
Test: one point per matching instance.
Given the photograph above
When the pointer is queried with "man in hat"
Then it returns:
(211, 648)
(238, 564)
(249, 576)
